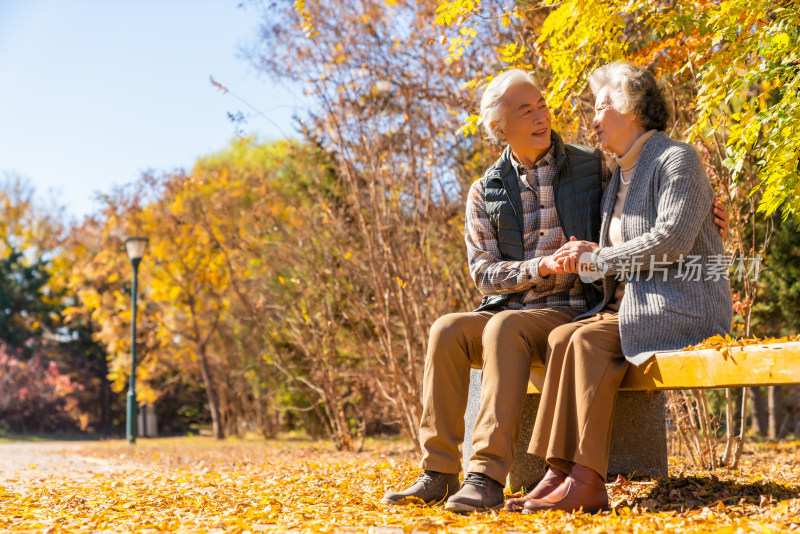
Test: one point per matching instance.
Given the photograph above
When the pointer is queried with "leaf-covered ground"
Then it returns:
(199, 485)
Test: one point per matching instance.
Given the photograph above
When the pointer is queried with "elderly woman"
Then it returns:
(660, 253)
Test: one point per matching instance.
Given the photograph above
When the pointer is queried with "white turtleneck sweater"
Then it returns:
(627, 169)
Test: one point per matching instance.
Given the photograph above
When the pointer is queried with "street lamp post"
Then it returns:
(135, 247)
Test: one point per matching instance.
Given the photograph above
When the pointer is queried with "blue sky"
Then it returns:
(93, 93)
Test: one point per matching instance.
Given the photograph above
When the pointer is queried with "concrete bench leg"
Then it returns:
(471, 415)
(638, 436)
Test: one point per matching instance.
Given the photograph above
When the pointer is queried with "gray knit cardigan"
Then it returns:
(678, 298)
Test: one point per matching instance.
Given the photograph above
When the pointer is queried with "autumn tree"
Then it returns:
(289, 273)
(387, 99)
(95, 271)
(28, 241)
(242, 288)
(182, 288)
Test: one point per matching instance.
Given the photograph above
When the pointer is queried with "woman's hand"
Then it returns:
(569, 255)
(721, 216)
(573, 249)
(568, 265)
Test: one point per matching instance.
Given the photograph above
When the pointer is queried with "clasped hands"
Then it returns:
(567, 258)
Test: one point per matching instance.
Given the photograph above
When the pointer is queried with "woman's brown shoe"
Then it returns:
(551, 480)
(583, 488)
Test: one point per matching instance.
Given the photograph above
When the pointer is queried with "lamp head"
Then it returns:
(136, 247)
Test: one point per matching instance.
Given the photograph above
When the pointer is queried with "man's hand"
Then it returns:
(547, 266)
(721, 216)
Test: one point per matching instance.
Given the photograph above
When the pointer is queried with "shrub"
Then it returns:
(35, 396)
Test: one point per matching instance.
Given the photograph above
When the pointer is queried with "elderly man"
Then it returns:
(539, 193)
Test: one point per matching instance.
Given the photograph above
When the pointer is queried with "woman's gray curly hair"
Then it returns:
(634, 89)
(492, 100)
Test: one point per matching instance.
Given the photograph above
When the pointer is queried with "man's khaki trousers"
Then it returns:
(585, 367)
(503, 344)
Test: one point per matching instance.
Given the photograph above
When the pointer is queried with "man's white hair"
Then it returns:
(492, 109)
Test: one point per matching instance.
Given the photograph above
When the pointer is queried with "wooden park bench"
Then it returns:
(638, 437)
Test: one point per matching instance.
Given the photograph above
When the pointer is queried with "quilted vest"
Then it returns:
(577, 188)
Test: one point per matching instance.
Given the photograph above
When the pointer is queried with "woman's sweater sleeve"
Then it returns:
(684, 203)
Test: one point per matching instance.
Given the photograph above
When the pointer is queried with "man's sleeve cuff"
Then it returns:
(533, 271)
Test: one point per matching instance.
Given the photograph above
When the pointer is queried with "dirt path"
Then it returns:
(23, 462)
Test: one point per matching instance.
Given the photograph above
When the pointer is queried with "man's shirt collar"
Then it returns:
(548, 159)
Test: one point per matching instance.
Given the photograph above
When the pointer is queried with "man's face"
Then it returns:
(612, 127)
(526, 127)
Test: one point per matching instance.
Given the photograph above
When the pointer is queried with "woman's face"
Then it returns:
(615, 131)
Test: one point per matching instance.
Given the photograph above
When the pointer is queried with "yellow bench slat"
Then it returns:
(753, 365)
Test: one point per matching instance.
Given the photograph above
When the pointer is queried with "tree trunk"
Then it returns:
(776, 411)
(265, 415)
(105, 403)
(758, 413)
(213, 405)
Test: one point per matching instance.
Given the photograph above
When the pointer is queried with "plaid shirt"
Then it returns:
(542, 236)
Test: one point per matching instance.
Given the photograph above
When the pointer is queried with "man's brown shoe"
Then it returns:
(478, 493)
(431, 487)
(551, 480)
(583, 488)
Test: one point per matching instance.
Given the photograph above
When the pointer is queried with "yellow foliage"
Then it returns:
(470, 126)
(308, 22)
(449, 11)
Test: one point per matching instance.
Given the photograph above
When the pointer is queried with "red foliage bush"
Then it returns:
(35, 396)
